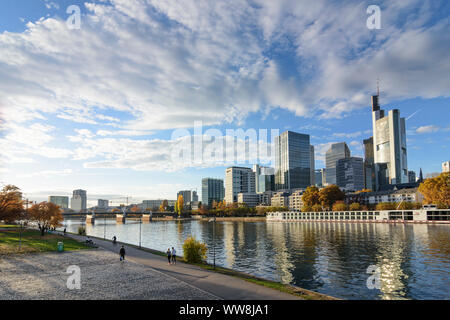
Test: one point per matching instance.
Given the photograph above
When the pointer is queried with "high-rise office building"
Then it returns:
(389, 146)
(350, 173)
(264, 178)
(292, 161)
(79, 200)
(187, 195)
(411, 176)
(446, 166)
(238, 180)
(103, 204)
(336, 152)
(194, 196)
(319, 177)
(61, 201)
(212, 190)
(312, 165)
(369, 166)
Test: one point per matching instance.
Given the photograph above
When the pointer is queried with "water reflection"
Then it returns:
(331, 258)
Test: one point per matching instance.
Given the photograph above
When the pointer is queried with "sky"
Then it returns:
(107, 106)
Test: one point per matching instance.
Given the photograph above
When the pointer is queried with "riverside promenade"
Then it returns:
(215, 284)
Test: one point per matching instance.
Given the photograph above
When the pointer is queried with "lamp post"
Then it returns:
(140, 227)
(104, 227)
(214, 241)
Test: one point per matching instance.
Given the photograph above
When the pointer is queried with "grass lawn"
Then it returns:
(32, 241)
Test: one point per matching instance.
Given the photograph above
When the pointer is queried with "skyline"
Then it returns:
(77, 116)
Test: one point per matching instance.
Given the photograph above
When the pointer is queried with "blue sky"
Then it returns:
(96, 107)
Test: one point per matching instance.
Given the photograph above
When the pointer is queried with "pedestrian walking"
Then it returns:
(122, 254)
(169, 254)
(174, 256)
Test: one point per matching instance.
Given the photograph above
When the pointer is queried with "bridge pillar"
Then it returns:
(90, 218)
(120, 218)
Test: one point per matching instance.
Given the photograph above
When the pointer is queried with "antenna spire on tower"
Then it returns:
(378, 86)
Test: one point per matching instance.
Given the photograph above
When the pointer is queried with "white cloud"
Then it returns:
(207, 61)
(427, 129)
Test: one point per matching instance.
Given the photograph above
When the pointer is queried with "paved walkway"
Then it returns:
(219, 285)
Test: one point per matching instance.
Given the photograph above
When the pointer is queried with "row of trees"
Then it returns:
(12, 208)
(318, 200)
(437, 190)
(221, 208)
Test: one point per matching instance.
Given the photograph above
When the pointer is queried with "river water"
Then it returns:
(331, 258)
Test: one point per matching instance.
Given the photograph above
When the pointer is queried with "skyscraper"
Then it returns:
(61, 201)
(312, 166)
(411, 176)
(292, 161)
(79, 200)
(369, 167)
(337, 151)
(389, 145)
(446, 166)
(350, 173)
(264, 178)
(212, 190)
(238, 180)
(319, 177)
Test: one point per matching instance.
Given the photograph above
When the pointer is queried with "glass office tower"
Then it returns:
(292, 161)
(212, 190)
(337, 151)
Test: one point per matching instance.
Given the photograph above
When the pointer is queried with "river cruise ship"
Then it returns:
(424, 215)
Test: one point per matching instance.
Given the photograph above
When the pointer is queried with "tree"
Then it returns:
(311, 196)
(363, 191)
(306, 208)
(340, 206)
(46, 214)
(194, 251)
(163, 206)
(180, 204)
(329, 195)
(317, 208)
(135, 209)
(115, 210)
(11, 205)
(355, 206)
(386, 206)
(437, 190)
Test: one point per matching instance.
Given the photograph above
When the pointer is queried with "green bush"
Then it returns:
(82, 231)
(194, 251)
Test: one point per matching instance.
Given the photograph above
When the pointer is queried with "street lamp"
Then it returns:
(214, 242)
(140, 227)
(104, 228)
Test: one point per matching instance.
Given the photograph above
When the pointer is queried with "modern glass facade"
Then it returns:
(350, 174)
(369, 166)
(337, 151)
(61, 201)
(292, 161)
(389, 143)
(212, 190)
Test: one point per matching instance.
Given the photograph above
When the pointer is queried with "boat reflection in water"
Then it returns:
(328, 257)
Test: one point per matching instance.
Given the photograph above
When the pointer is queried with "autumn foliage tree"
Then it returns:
(180, 205)
(46, 215)
(340, 206)
(135, 209)
(311, 196)
(163, 206)
(329, 195)
(437, 190)
(11, 205)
